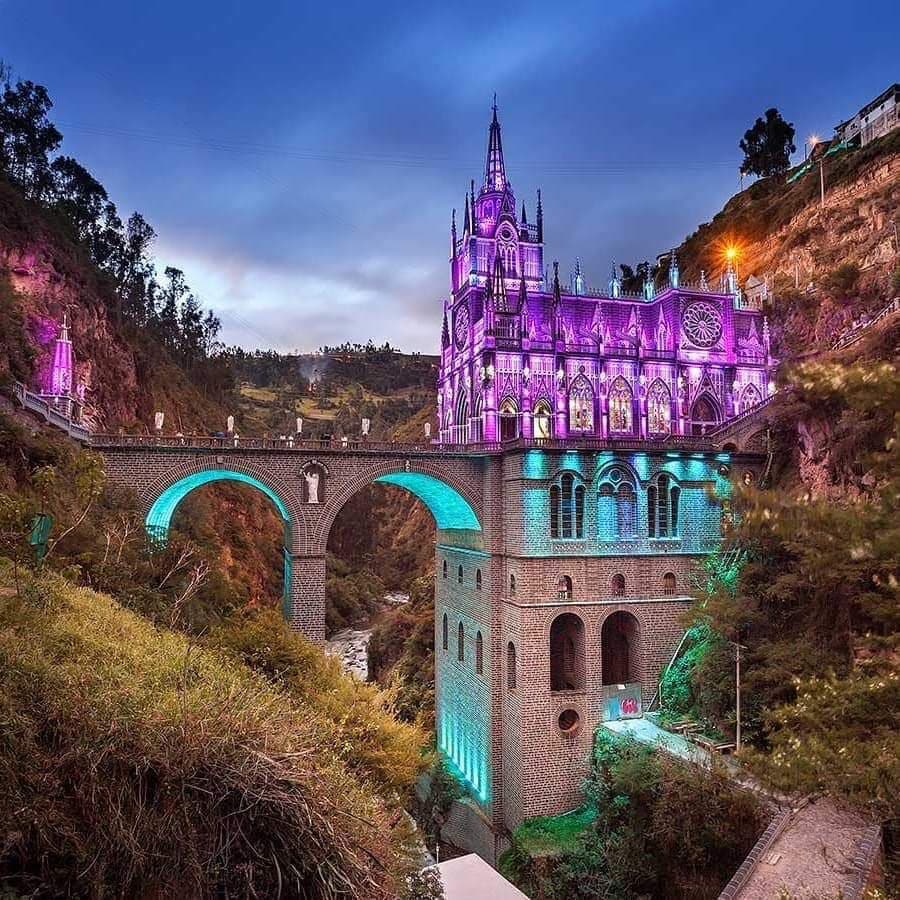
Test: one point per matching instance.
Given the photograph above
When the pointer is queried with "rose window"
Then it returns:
(702, 323)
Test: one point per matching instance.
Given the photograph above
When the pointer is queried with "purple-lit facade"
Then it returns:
(523, 357)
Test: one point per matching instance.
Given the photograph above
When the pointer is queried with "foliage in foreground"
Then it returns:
(817, 605)
(645, 831)
(131, 757)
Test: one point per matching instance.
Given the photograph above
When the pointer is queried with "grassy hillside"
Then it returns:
(129, 755)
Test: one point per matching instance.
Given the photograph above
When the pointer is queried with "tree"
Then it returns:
(768, 145)
(27, 138)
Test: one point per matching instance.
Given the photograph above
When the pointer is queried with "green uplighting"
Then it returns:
(450, 509)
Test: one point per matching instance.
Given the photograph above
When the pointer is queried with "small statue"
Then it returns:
(312, 485)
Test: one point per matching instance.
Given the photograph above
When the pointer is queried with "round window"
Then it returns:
(568, 721)
(702, 323)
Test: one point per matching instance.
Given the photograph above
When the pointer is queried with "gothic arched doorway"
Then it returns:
(704, 414)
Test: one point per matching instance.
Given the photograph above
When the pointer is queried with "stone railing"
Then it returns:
(855, 332)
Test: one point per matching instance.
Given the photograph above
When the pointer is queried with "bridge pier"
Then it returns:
(305, 594)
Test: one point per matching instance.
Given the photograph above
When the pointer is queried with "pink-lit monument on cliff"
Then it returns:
(522, 357)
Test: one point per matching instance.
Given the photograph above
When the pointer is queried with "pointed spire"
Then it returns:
(577, 279)
(494, 169)
(453, 233)
(445, 331)
(556, 297)
(472, 202)
(615, 285)
(674, 273)
(524, 216)
(540, 219)
(467, 229)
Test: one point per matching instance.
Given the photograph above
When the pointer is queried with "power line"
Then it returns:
(548, 168)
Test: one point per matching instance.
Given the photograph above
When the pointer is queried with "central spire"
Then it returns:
(494, 170)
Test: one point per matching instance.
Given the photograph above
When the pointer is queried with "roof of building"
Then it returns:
(471, 878)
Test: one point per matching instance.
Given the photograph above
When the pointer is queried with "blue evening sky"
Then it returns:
(299, 161)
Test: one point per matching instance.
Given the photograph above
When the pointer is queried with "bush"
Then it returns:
(654, 827)
(842, 280)
(895, 281)
(363, 730)
(138, 761)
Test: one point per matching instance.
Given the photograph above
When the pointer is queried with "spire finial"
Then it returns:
(494, 169)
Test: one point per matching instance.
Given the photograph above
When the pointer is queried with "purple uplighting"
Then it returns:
(521, 357)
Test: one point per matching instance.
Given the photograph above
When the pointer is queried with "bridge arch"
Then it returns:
(448, 498)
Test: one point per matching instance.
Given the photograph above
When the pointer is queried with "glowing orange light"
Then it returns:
(731, 252)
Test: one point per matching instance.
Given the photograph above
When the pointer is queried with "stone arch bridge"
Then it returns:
(308, 483)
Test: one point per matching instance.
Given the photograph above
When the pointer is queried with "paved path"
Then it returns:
(815, 850)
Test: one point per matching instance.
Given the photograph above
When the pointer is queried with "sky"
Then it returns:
(299, 161)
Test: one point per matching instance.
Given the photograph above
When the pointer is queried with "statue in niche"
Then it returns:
(311, 476)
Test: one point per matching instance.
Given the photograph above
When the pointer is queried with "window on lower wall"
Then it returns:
(478, 579)
(479, 654)
(445, 635)
(663, 497)
(444, 568)
(460, 643)
(669, 584)
(511, 666)
(618, 585)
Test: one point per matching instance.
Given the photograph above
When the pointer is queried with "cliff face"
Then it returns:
(825, 266)
(126, 378)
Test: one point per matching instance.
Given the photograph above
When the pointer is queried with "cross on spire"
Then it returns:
(494, 169)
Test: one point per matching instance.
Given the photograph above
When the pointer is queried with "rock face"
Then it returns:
(104, 362)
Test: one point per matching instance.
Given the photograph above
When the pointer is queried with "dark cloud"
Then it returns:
(299, 161)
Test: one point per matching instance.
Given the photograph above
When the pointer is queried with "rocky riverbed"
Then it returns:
(351, 645)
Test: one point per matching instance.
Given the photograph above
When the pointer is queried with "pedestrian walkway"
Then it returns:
(648, 732)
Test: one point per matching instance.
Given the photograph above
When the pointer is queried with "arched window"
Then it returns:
(564, 587)
(581, 406)
(511, 666)
(512, 585)
(479, 654)
(478, 579)
(618, 585)
(669, 584)
(617, 506)
(567, 653)
(567, 508)
(663, 497)
(478, 418)
(509, 420)
(620, 406)
(659, 409)
(445, 634)
(460, 643)
(542, 417)
(444, 568)
(462, 416)
(459, 575)
(749, 398)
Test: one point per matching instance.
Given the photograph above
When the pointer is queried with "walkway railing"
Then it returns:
(204, 442)
(58, 416)
(740, 417)
(857, 331)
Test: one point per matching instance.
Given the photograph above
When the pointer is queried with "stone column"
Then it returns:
(307, 612)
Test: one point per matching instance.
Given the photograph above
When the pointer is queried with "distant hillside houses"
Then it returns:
(874, 120)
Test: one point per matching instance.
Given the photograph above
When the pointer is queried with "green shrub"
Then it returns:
(842, 280)
(895, 281)
(136, 761)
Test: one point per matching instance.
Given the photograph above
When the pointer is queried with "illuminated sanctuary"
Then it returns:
(522, 357)
(606, 425)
